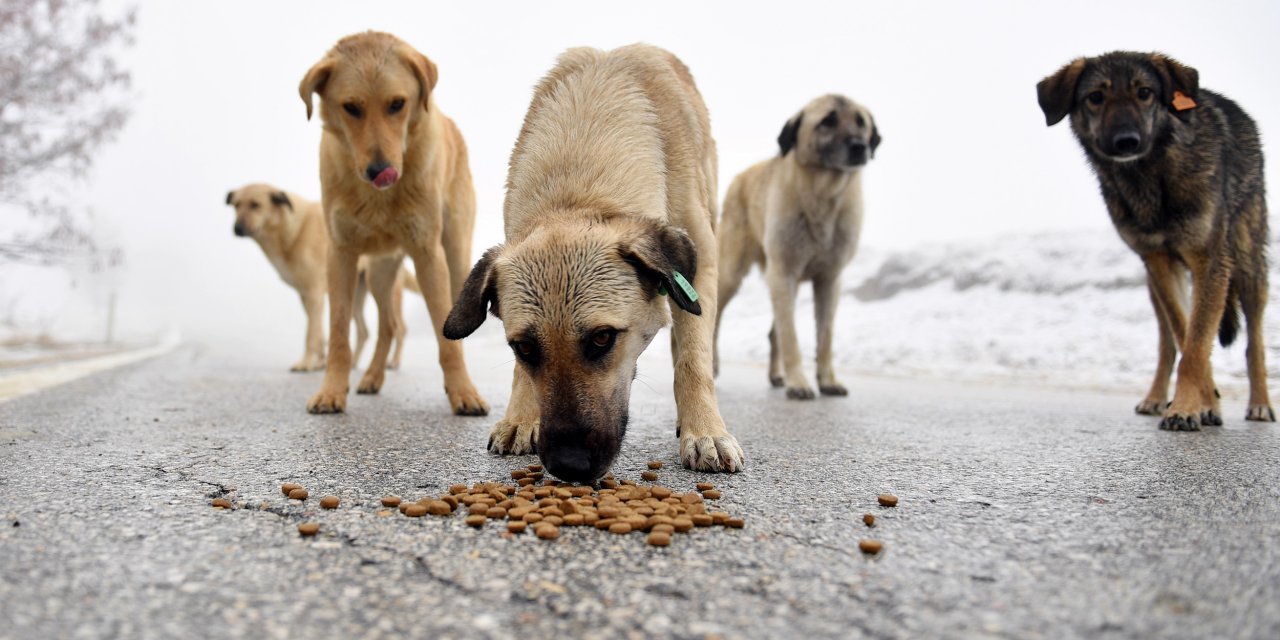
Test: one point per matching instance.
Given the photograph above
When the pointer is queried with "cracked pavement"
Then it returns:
(1023, 513)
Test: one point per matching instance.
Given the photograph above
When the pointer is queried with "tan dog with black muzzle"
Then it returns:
(395, 181)
(611, 202)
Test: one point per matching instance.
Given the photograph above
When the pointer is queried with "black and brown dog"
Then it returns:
(1181, 172)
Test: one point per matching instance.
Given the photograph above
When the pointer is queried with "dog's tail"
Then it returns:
(410, 282)
(1230, 325)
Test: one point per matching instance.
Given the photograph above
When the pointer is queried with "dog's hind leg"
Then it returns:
(1195, 400)
(401, 329)
(737, 252)
(1165, 285)
(357, 314)
(432, 270)
(382, 282)
(1251, 282)
(782, 291)
(313, 357)
(826, 297)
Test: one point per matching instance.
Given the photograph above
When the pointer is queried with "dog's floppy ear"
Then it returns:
(479, 294)
(875, 137)
(425, 69)
(1177, 78)
(231, 197)
(281, 199)
(790, 131)
(1057, 93)
(314, 81)
(667, 257)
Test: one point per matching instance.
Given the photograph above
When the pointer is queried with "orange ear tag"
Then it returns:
(1181, 102)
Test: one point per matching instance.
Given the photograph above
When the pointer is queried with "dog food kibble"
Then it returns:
(658, 538)
(415, 510)
(702, 520)
(870, 547)
(221, 503)
(888, 500)
(719, 517)
(298, 494)
(516, 474)
(547, 531)
(309, 528)
(711, 494)
(655, 464)
(457, 489)
(475, 521)
(288, 487)
(620, 528)
(329, 502)
(649, 475)
(535, 468)
(705, 486)
(735, 523)
(868, 519)
(390, 501)
(517, 526)
(439, 508)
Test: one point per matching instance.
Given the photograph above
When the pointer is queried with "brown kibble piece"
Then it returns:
(661, 493)
(682, 524)
(451, 501)
(478, 509)
(298, 494)
(309, 528)
(532, 517)
(535, 468)
(736, 523)
(516, 526)
(702, 520)
(476, 521)
(390, 501)
(711, 494)
(547, 532)
(524, 482)
(887, 500)
(870, 547)
(658, 538)
(868, 519)
(329, 502)
(495, 513)
(574, 520)
(457, 488)
(649, 475)
(620, 528)
(705, 486)
(221, 503)
(516, 474)
(288, 487)
(719, 517)
(665, 528)
(655, 464)
(404, 506)
(438, 508)
(415, 510)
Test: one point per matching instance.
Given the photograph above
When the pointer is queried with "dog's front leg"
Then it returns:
(332, 396)
(313, 357)
(517, 432)
(433, 278)
(1165, 285)
(705, 443)
(826, 297)
(782, 292)
(1195, 399)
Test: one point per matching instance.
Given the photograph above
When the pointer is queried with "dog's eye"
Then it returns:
(1096, 98)
(1145, 93)
(861, 121)
(526, 351)
(253, 205)
(395, 106)
(600, 343)
(352, 109)
(830, 121)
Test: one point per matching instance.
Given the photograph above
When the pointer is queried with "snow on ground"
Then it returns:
(1063, 309)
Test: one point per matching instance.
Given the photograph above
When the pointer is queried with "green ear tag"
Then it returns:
(685, 286)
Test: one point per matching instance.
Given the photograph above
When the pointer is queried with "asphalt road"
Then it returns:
(1024, 513)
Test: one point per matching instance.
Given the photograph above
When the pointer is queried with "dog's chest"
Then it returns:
(1153, 214)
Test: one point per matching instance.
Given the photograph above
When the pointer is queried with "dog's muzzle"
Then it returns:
(240, 230)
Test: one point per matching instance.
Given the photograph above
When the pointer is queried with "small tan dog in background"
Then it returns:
(799, 216)
(290, 231)
(395, 181)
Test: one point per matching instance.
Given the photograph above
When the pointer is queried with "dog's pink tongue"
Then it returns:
(386, 178)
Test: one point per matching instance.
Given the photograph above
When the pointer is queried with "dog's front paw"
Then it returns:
(1260, 413)
(370, 383)
(833, 389)
(513, 438)
(776, 381)
(1210, 418)
(327, 401)
(800, 393)
(720, 453)
(1180, 420)
(467, 402)
(308, 364)
(1151, 406)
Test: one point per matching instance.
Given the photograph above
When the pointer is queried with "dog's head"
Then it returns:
(579, 301)
(260, 209)
(831, 132)
(1120, 103)
(373, 90)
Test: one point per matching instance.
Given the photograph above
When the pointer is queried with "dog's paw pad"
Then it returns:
(327, 402)
(800, 393)
(1260, 413)
(713, 454)
(509, 438)
(1210, 418)
(835, 389)
(467, 403)
(1180, 422)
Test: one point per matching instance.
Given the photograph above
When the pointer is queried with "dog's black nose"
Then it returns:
(569, 462)
(240, 230)
(857, 152)
(1126, 142)
(376, 167)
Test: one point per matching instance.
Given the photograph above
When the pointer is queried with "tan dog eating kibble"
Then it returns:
(611, 202)
(394, 174)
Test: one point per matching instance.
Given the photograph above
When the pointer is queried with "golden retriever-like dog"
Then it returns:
(611, 203)
(395, 181)
(290, 231)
